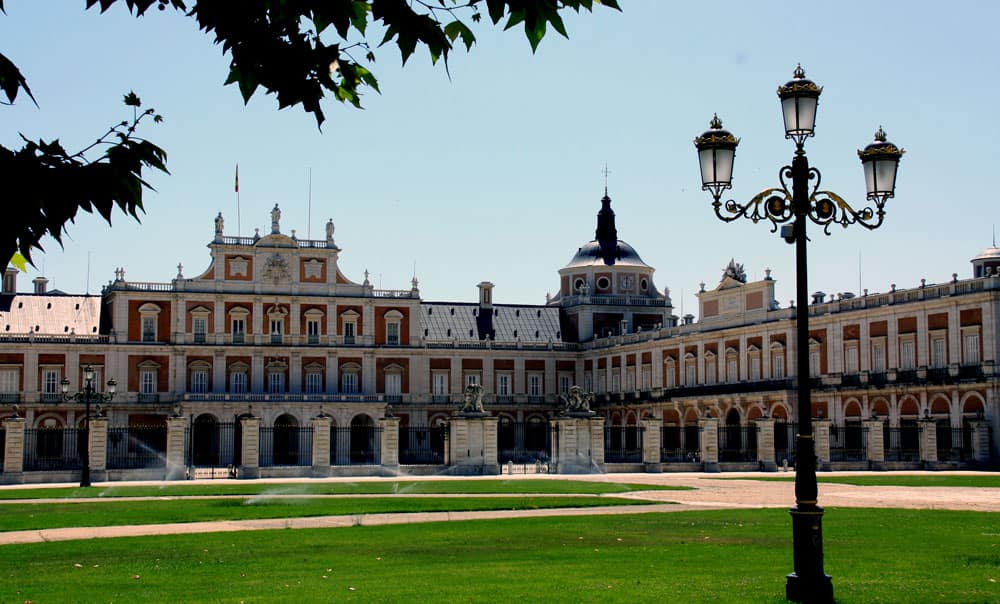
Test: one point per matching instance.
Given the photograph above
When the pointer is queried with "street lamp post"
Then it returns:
(880, 160)
(88, 395)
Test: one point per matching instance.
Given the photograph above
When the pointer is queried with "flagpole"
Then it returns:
(239, 221)
(309, 220)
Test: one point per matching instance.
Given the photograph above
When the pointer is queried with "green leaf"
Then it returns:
(131, 100)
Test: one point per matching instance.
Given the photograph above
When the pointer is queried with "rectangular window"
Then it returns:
(732, 369)
(314, 382)
(238, 382)
(939, 358)
(393, 384)
(239, 331)
(199, 328)
(970, 354)
(471, 379)
(602, 382)
(710, 370)
(503, 384)
(690, 373)
(878, 357)
(350, 327)
(276, 330)
(755, 367)
(10, 382)
(350, 381)
(275, 382)
(199, 381)
(392, 334)
(312, 331)
(851, 358)
(50, 381)
(630, 380)
(535, 384)
(778, 366)
(564, 385)
(147, 381)
(588, 382)
(669, 378)
(616, 381)
(814, 363)
(647, 377)
(149, 329)
(440, 384)
(907, 358)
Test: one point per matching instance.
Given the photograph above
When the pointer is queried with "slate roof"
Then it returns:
(49, 314)
(531, 323)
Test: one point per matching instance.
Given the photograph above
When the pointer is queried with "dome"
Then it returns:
(990, 253)
(594, 254)
(277, 240)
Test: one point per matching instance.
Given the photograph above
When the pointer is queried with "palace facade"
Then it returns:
(272, 361)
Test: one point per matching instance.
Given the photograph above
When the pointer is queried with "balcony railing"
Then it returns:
(148, 397)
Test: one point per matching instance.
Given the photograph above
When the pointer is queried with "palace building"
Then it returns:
(273, 362)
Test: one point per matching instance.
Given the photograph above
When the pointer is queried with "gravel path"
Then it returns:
(711, 492)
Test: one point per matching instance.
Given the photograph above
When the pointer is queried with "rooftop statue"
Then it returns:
(735, 271)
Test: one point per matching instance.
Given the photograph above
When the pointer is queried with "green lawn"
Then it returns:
(717, 556)
(893, 480)
(472, 487)
(18, 517)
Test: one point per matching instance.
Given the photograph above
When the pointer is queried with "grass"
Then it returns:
(29, 516)
(472, 487)
(727, 555)
(899, 480)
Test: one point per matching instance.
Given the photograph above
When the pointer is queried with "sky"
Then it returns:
(494, 172)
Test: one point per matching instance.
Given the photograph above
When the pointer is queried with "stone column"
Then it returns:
(709, 444)
(876, 443)
(250, 451)
(980, 442)
(321, 445)
(176, 468)
(821, 434)
(474, 445)
(575, 443)
(390, 444)
(928, 440)
(13, 457)
(651, 437)
(98, 447)
(765, 444)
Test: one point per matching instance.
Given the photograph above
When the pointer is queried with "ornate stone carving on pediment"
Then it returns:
(312, 269)
(238, 266)
(276, 269)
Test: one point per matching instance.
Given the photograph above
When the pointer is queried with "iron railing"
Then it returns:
(210, 444)
(285, 446)
(680, 444)
(355, 445)
(953, 444)
(623, 444)
(53, 448)
(902, 443)
(3, 446)
(785, 446)
(131, 447)
(523, 442)
(737, 443)
(421, 445)
(848, 442)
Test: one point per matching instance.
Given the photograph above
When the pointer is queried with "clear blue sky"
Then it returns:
(495, 174)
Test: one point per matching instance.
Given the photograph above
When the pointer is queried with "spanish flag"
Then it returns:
(237, 178)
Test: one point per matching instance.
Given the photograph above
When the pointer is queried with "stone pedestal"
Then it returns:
(390, 444)
(765, 444)
(821, 434)
(250, 451)
(577, 445)
(980, 441)
(13, 457)
(473, 445)
(876, 443)
(928, 441)
(651, 439)
(709, 444)
(98, 448)
(176, 468)
(321, 445)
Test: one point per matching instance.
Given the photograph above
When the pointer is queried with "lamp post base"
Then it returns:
(814, 590)
(808, 583)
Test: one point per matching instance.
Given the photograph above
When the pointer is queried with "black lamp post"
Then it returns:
(88, 395)
(716, 152)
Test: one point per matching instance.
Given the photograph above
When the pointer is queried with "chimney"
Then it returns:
(819, 297)
(484, 318)
(10, 280)
(41, 284)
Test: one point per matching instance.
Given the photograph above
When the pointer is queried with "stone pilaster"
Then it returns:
(765, 444)
(176, 468)
(651, 438)
(390, 443)
(980, 441)
(13, 457)
(474, 445)
(98, 447)
(597, 441)
(321, 444)
(709, 444)
(928, 440)
(876, 443)
(250, 450)
(821, 436)
(574, 445)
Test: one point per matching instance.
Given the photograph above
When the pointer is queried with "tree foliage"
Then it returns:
(301, 51)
